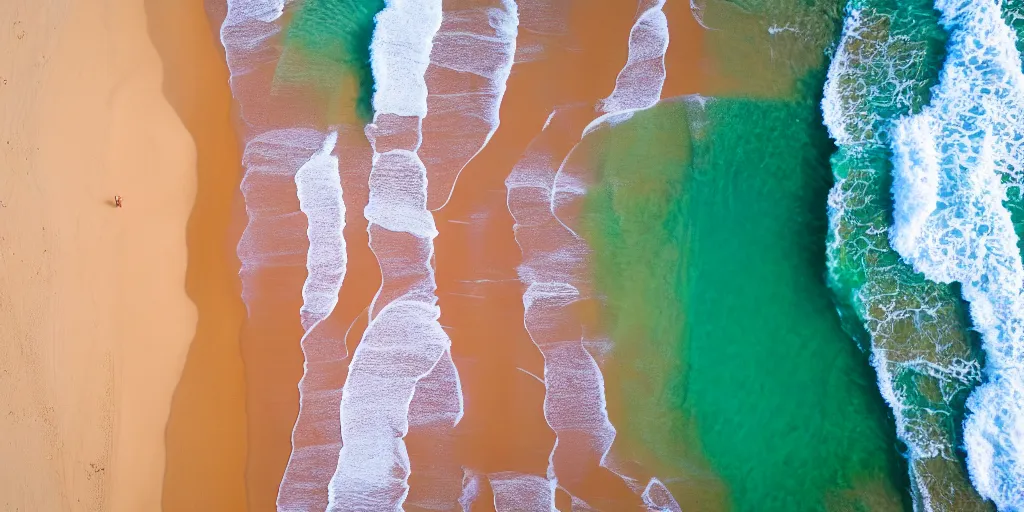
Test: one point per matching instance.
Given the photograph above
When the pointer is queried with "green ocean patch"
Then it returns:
(326, 48)
(708, 225)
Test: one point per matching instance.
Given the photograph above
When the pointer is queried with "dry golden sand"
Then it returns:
(85, 378)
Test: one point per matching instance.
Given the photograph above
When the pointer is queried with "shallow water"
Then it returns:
(729, 286)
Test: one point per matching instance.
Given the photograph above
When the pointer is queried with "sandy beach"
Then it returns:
(96, 320)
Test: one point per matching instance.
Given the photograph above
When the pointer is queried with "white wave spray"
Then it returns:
(469, 67)
(401, 373)
(949, 164)
(284, 163)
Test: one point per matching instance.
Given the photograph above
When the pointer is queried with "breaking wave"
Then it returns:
(951, 162)
(884, 66)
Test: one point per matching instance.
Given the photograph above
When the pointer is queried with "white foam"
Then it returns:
(246, 34)
(836, 110)
(870, 63)
(274, 233)
(976, 126)
(401, 375)
(518, 492)
(471, 481)
(469, 66)
(399, 54)
(639, 83)
(318, 185)
(658, 498)
(398, 194)
(281, 163)
(915, 184)
(435, 411)
(399, 348)
(874, 72)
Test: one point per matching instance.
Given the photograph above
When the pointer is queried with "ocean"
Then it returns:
(797, 290)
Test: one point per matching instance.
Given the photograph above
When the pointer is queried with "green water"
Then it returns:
(709, 229)
(327, 47)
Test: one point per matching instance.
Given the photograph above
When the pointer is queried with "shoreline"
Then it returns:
(206, 433)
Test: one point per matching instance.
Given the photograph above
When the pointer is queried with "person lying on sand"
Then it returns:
(117, 201)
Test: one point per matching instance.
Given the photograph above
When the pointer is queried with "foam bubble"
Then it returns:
(398, 194)
(401, 376)
(918, 341)
(969, 237)
(318, 186)
(639, 83)
(915, 181)
(399, 54)
(273, 235)
(399, 348)
(315, 437)
(516, 492)
(436, 477)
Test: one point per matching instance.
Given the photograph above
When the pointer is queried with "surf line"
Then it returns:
(403, 345)
(544, 181)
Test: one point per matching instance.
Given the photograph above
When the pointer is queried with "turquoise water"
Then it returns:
(769, 341)
(327, 47)
(711, 256)
(709, 224)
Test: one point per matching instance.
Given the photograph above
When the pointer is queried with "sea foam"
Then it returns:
(318, 187)
(316, 437)
(469, 66)
(639, 83)
(401, 375)
(971, 137)
(919, 343)
(296, 215)
(554, 271)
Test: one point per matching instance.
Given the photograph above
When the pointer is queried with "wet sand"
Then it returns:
(479, 291)
(206, 431)
(86, 376)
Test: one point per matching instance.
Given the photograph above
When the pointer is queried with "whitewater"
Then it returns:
(952, 165)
